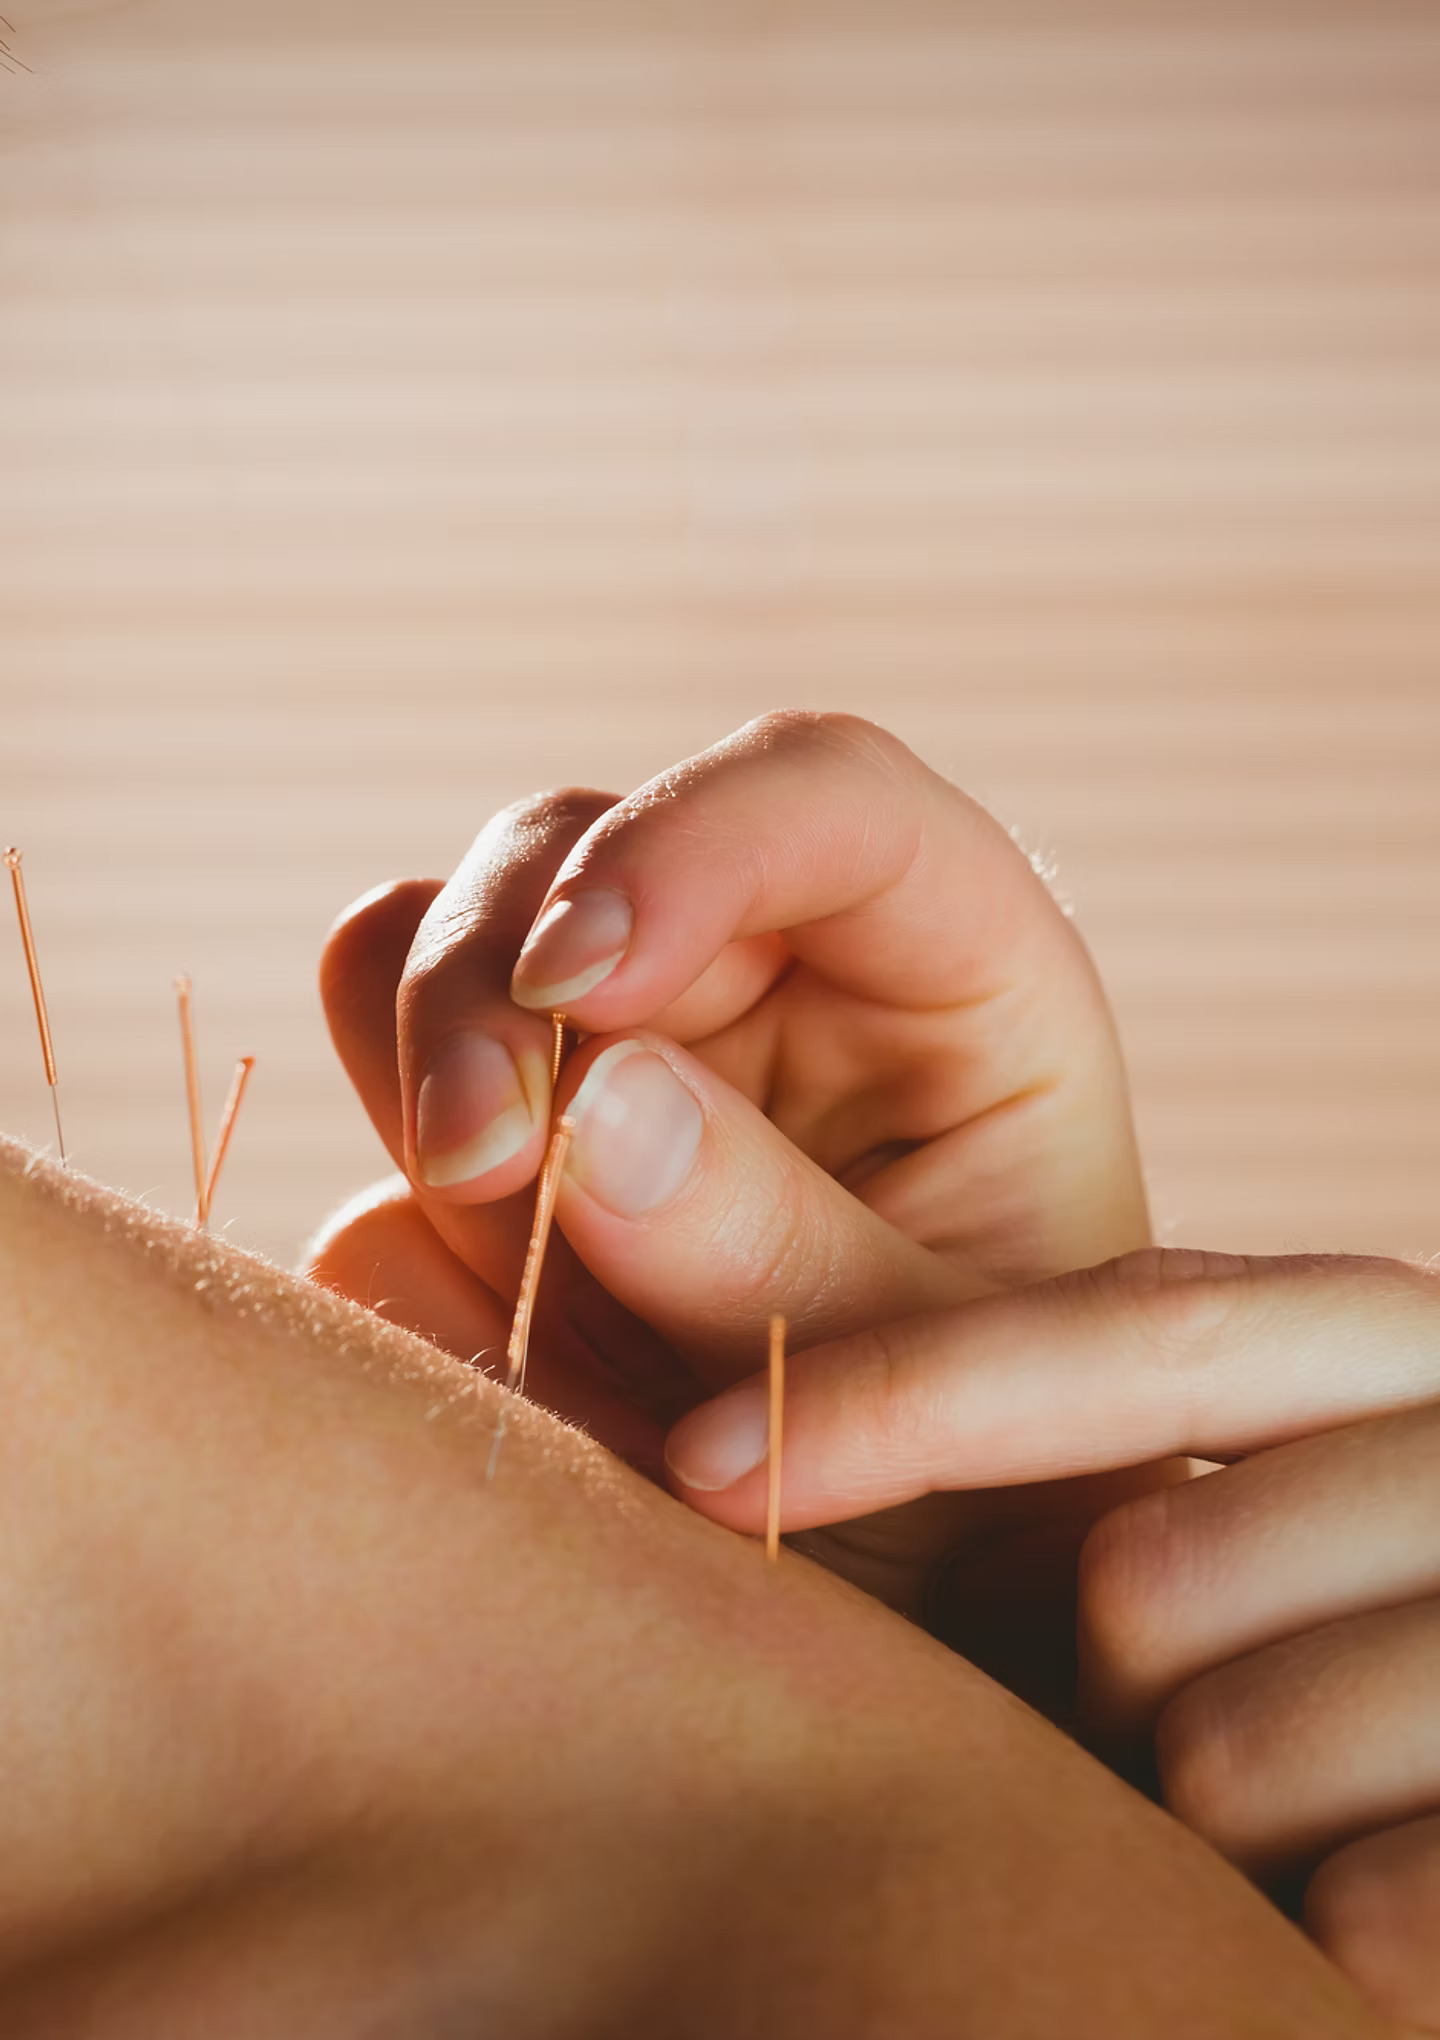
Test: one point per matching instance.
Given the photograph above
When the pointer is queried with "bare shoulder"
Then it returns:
(101, 1283)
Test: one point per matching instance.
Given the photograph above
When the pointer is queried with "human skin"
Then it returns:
(308, 1729)
(1272, 1631)
(850, 1060)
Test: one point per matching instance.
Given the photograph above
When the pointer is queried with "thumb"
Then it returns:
(1164, 1353)
(689, 1206)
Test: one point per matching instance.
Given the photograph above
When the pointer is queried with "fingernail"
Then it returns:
(722, 1441)
(472, 1112)
(637, 1129)
(571, 949)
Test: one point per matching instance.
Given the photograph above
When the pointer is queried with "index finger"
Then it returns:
(883, 876)
(1164, 1353)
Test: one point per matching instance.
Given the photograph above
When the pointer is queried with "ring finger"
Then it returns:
(1190, 1577)
(1280, 1756)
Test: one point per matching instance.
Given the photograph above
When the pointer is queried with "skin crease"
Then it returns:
(910, 1084)
(309, 1730)
(966, 1562)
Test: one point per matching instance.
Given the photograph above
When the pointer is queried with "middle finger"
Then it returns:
(474, 1068)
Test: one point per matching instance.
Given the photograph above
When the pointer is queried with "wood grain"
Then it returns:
(400, 415)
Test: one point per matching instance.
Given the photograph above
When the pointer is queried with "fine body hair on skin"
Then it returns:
(309, 1730)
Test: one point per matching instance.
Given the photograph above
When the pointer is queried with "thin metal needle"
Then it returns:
(184, 997)
(518, 1350)
(777, 1438)
(13, 859)
(227, 1126)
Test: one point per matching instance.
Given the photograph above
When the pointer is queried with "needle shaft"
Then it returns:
(184, 997)
(518, 1350)
(227, 1127)
(13, 861)
(776, 1443)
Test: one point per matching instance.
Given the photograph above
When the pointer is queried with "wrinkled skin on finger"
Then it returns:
(858, 951)
(1265, 1640)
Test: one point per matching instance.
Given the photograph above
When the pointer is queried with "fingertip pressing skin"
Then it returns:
(289, 1523)
(1124, 1364)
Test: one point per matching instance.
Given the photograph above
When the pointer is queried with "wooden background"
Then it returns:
(401, 410)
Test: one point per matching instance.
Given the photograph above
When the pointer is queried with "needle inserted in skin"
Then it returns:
(518, 1350)
(227, 1127)
(13, 859)
(185, 1000)
(557, 1051)
(777, 1428)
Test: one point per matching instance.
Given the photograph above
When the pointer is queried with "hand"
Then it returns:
(1276, 1624)
(902, 1087)
(310, 1729)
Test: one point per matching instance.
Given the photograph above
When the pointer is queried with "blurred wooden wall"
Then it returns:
(398, 412)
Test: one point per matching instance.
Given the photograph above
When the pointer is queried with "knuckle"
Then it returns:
(1187, 1280)
(494, 894)
(444, 929)
(1176, 1274)
(1340, 1906)
(396, 901)
(808, 731)
(1380, 1280)
(784, 1254)
(535, 826)
(884, 1349)
(1206, 1761)
(1187, 1320)
(895, 1404)
(369, 942)
(1359, 1915)
(689, 804)
(1132, 1572)
(780, 728)
(1181, 1313)
(553, 809)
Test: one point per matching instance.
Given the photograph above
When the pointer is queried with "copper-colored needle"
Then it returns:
(518, 1350)
(557, 1051)
(185, 1000)
(13, 858)
(777, 1430)
(227, 1127)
